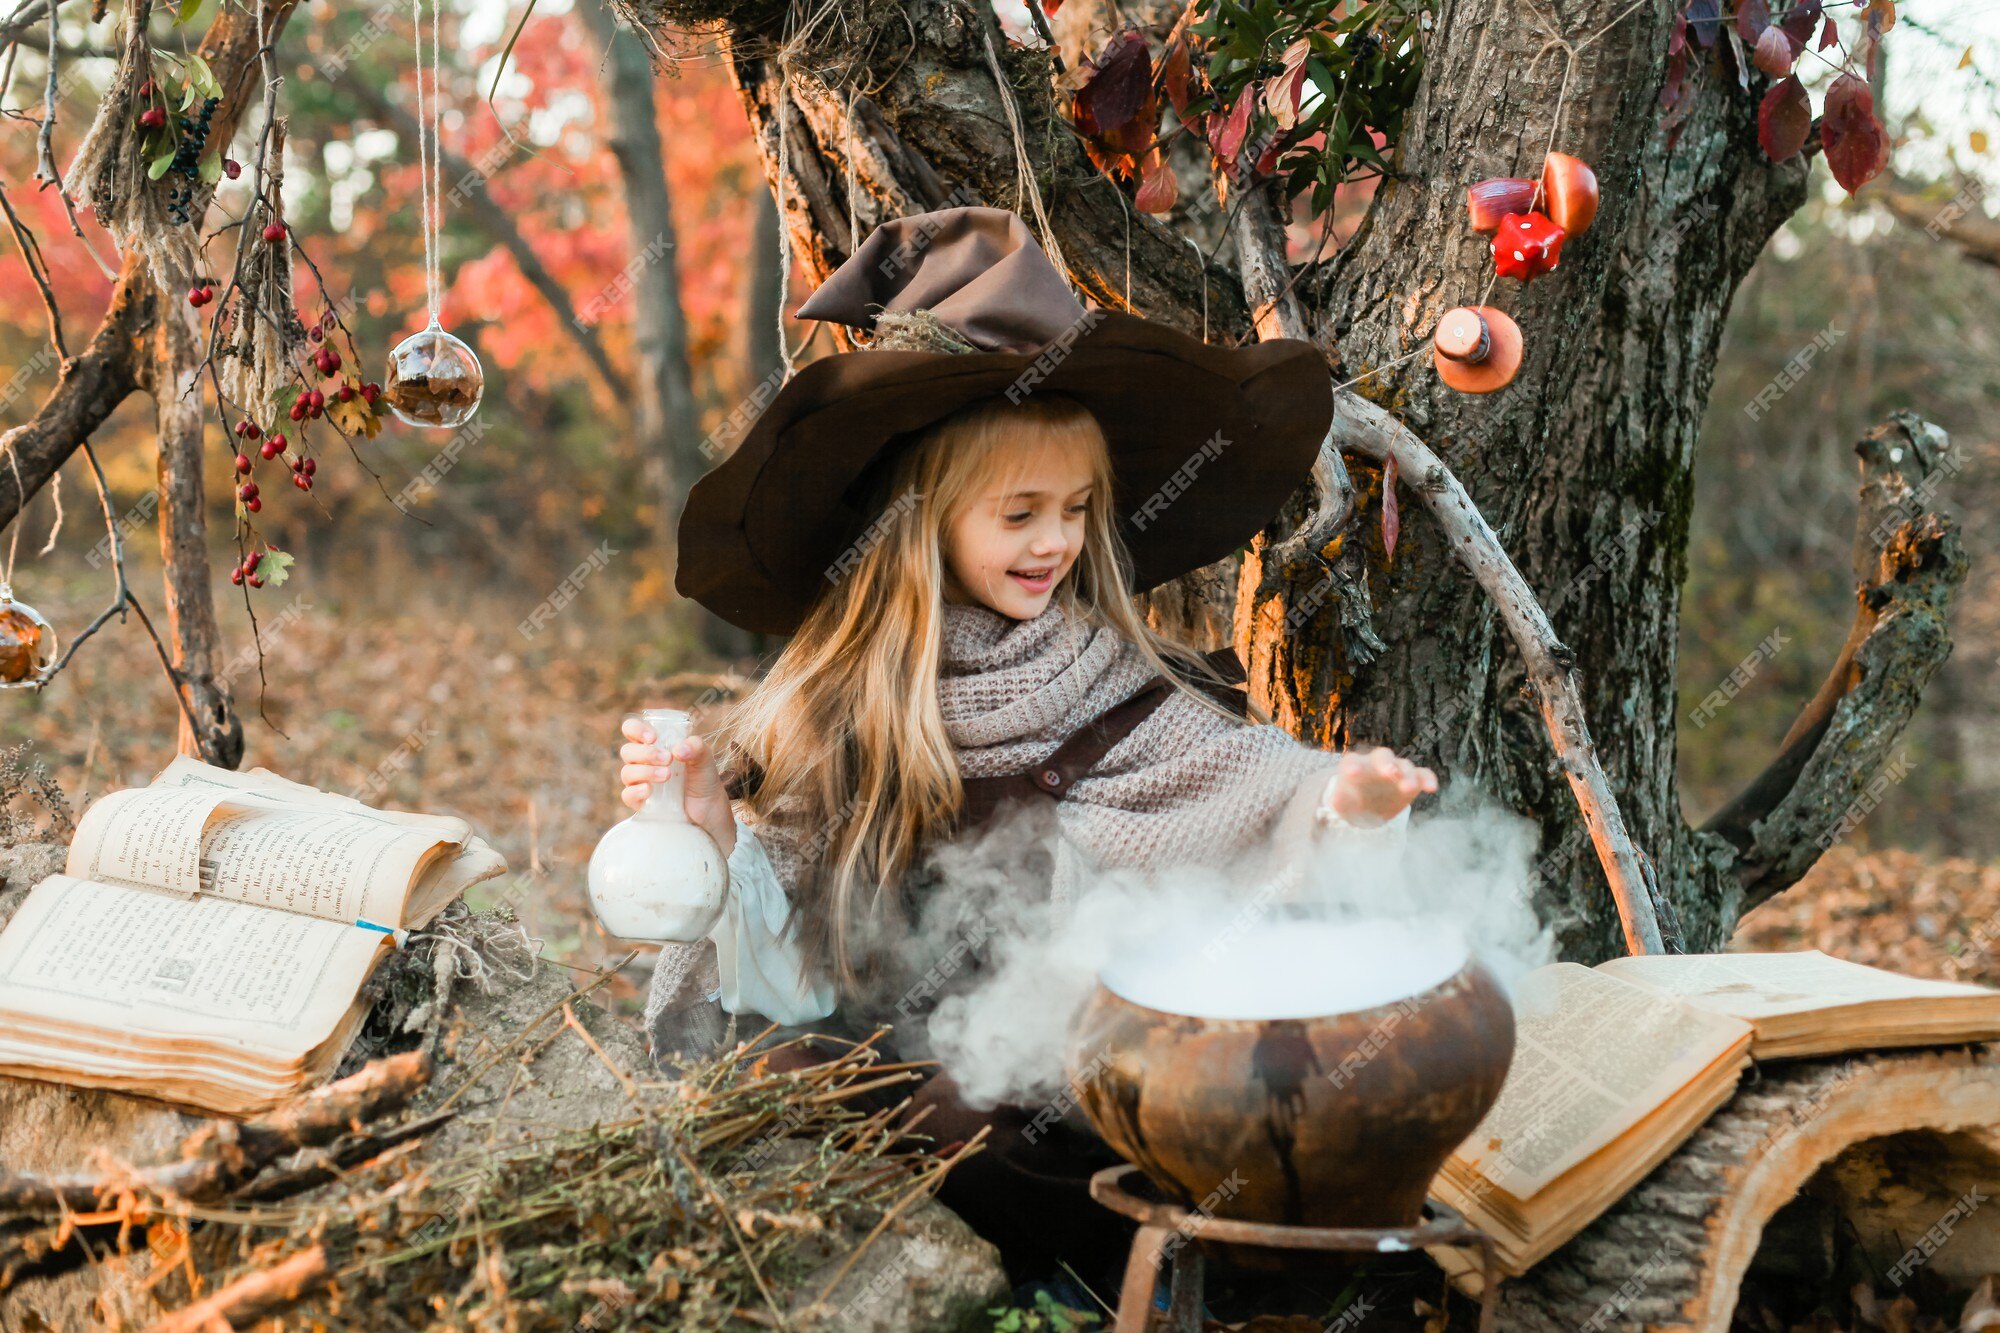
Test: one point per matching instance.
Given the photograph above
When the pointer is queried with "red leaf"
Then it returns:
(1174, 69)
(1774, 53)
(1752, 17)
(1050, 7)
(1116, 86)
(1800, 20)
(1677, 35)
(1392, 519)
(1829, 35)
(1852, 138)
(1784, 118)
(1881, 16)
(1227, 141)
(1157, 187)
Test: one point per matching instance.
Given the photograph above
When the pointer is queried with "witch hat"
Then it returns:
(1206, 442)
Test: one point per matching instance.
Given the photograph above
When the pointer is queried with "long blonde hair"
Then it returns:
(846, 727)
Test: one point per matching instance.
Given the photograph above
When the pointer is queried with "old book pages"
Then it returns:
(1608, 1078)
(209, 938)
(1808, 1003)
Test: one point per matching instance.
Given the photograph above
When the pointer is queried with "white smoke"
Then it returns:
(1461, 880)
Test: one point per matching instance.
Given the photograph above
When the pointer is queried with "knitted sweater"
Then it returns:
(1185, 787)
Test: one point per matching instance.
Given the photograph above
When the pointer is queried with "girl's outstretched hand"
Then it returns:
(1370, 788)
(707, 804)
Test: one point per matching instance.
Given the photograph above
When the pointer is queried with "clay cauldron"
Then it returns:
(1336, 1120)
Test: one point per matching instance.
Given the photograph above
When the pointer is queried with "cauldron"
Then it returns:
(1309, 1119)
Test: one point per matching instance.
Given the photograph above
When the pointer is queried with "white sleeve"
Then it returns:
(1391, 834)
(760, 969)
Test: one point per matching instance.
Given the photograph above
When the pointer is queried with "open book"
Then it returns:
(209, 935)
(1616, 1065)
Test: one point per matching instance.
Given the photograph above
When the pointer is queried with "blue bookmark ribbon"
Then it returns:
(400, 936)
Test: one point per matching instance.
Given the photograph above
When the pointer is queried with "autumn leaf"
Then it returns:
(354, 417)
(1784, 118)
(1752, 17)
(1116, 87)
(1050, 7)
(1226, 139)
(1880, 17)
(1281, 97)
(1774, 54)
(1392, 519)
(1829, 35)
(1851, 137)
(1799, 22)
(1174, 69)
(1705, 20)
(1157, 188)
(276, 566)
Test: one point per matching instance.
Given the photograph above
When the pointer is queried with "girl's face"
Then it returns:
(1017, 538)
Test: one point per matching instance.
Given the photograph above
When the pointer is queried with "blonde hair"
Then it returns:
(846, 727)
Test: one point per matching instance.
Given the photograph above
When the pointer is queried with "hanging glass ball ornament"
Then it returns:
(27, 643)
(434, 379)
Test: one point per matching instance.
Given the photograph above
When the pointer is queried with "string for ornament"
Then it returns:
(428, 169)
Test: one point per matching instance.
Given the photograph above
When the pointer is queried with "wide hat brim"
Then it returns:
(1206, 445)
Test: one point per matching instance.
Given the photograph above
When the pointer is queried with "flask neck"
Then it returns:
(665, 804)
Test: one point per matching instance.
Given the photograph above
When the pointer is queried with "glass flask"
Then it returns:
(655, 876)
(433, 379)
(27, 643)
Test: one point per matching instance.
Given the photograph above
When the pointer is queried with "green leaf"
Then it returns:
(158, 166)
(204, 77)
(185, 11)
(187, 95)
(211, 168)
(276, 566)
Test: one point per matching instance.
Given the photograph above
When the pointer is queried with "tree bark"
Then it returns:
(1582, 467)
(669, 425)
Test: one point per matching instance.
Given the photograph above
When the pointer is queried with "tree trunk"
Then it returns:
(669, 425)
(1582, 466)
(216, 733)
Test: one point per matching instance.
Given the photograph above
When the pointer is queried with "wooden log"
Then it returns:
(1671, 1256)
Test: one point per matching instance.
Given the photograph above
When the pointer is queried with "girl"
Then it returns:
(969, 653)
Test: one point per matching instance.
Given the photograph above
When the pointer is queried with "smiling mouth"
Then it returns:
(1033, 578)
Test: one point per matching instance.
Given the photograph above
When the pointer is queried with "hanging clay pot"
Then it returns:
(1569, 193)
(1476, 349)
(27, 643)
(433, 379)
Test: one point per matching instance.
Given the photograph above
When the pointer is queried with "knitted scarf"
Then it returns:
(1185, 787)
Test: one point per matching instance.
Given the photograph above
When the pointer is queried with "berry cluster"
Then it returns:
(201, 295)
(187, 160)
(246, 571)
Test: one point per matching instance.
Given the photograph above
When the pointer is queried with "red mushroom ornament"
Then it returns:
(1476, 349)
(1490, 200)
(1525, 245)
(1569, 193)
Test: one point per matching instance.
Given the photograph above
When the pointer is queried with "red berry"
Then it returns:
(309, 467)
(254, 431)
(242, 462)
(316, 399)
(152, 117)
(274, 231)
(332, 362)
(146, 88)
(298, 411)
(371, 391)
(302, 481)
(314, 333)
(278, 440)
(242, 428)
(236, 575)
(256, 581)
(195, 298)
(250, 561)
(345, 393)
(207, 293)
(231, 168)
(253, 504)
(271, 448)
(247, 491)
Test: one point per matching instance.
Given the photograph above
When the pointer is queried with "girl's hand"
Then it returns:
(1368, 789)
(707, 804)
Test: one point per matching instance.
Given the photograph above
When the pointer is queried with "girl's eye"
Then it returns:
(1079, 509)
(1017, 518)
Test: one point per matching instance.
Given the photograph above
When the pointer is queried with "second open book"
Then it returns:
(208, 938)
(1616, 1065)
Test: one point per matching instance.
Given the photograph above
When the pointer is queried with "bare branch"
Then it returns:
(1908, 563)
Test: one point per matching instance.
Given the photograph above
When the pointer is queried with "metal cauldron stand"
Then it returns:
(1159, 1222)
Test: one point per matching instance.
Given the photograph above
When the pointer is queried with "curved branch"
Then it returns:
(1959, 220)
(1366, 429)
(1908, 562)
